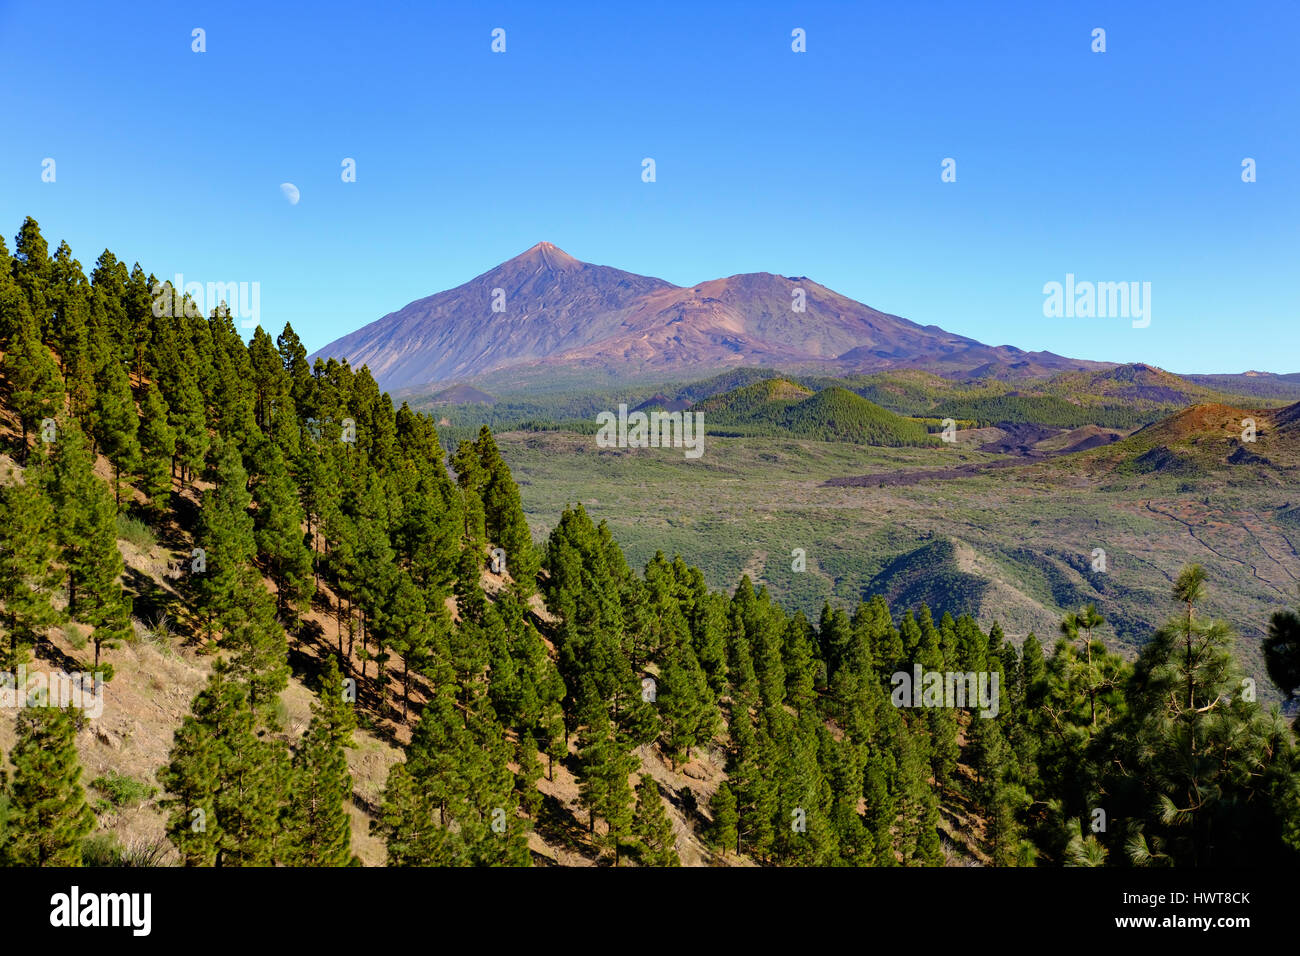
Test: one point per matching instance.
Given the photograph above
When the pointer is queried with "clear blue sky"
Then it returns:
(1122, 166)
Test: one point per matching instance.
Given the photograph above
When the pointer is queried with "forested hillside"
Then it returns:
(321, 536)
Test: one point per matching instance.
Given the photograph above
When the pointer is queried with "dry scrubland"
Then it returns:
(1012, 544)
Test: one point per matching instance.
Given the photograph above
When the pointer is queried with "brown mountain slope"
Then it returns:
(1209, 421)
(1207, 440)
(1278, 429)
(1287, 420)
(552, 302)
(553, 311)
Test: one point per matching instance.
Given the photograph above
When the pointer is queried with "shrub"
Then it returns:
(122, 790)
(136, 532)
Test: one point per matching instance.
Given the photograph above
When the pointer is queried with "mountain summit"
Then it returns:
(544, 309)
(549, 256)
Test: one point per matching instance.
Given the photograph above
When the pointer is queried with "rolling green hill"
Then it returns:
(764, 398)
(782, 407)
(931, 575)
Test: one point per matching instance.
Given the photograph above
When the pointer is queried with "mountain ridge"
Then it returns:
(545, 309)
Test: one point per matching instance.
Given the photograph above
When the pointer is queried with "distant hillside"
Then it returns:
(1048, 410)
(1254, 384)
(662, 402)
(1095, 408)
(931, 575)
(1136, 383)
(1121, 397)
(905, 391)
(742, 404)
(1210, 422)
(461, 395)
(835, 414)
(1024, 588)
(1286, 420)
(780, 406)
(1211, 438)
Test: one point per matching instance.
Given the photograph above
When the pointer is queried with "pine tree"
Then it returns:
(802, 832)
(723, 833)
(941, 722)
(530, 771)
(339, 533)
(138, 300)
(33, 274)
(994, 765)
(86, 529)
(70, 301)
(225, 536)
(278, 531)
(1094, 676)
(372, 562)
(416, 632)
(458, 761)
(708, 622)
(231, 393)
(188, 421)
(557, 737)
(222, 780)
(470, 476)
(1033, 671)
(845, 766)
(317, 817)
(503, 510)
(102, 602)
(27, 575)
(763, 626)
(35, 387)
(656, 842)
(603, 769)
(918, 837)
(428, 534)
(157, 450)
(109, 281)
(113, 416)
(442, 756)
(689, 712)
(191, 776)
(293, 356)
(271, 397)
(175, 360)
(408, 822)
(48, 814)
(751, 782)
(800, 663)
(400, 622)
(1282, 650)
(468, 646)
(1204, 777)
(11, 296)
(68, 481)
(251, 631)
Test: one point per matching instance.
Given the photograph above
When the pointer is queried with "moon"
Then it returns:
(290, 193)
